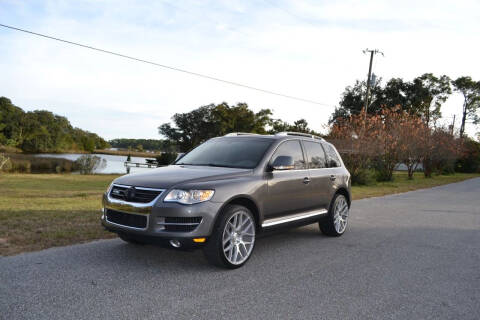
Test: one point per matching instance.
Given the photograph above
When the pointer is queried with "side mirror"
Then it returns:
(179, 156)
(283, 163)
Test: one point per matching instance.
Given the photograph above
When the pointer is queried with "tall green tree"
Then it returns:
(352, 101)
(426, 94)
(471, 100)
(423, 97)
(194, 127)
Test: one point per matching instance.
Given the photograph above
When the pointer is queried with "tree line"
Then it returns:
(423, 97)
(141, 144)
(401, 126)
(43, 131)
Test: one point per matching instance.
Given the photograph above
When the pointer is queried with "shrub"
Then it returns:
(166, 158)
(88, 164)
(27, 163)
(21, 166)
(382, 171)
(469, 160)
(363, 177)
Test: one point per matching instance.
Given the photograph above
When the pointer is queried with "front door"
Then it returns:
(287, 189)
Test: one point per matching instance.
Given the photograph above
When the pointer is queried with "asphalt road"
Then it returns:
(409, 256)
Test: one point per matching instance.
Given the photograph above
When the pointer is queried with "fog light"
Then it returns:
(199, 240)
(175, 243)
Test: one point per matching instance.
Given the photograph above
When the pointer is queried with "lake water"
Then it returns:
(115, 164)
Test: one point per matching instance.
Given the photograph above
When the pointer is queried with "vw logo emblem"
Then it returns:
(130, 194)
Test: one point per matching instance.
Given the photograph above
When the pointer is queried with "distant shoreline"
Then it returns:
(126, 153)
(11, 150)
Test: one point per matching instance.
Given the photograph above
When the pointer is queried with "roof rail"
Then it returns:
(231, 134)
(301, 134)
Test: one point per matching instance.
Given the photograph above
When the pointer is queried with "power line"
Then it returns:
(167, 67)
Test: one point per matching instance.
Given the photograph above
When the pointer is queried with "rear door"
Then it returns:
(320, 184)
(287, 189)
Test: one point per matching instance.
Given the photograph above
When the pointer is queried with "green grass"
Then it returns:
(39, 211)
(402, 184)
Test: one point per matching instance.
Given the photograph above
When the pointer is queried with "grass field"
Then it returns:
(39, 211)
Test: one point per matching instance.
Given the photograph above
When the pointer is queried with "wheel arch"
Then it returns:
(245, 201)
(344, 192)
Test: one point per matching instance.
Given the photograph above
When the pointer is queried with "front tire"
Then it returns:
(233, 238)
(335, 223)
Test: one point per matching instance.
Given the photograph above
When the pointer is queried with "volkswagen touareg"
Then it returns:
(222, 194)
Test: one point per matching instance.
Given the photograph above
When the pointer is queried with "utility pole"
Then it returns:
(453, 125)
(372, 53)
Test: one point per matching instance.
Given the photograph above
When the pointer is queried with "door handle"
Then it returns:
(306, 180)
(332, 177)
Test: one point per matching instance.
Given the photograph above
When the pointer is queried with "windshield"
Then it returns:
(225, 152)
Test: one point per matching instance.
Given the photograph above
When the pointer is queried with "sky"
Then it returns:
(306, 48)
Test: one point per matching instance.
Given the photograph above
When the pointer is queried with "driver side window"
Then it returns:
(292, 149)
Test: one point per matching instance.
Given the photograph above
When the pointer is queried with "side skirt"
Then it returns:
(294, 218)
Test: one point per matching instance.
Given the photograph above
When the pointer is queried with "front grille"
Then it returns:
(134, 194)
(127, 219)
(180, 224)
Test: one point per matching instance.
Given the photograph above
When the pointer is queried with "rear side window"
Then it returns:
(293, 149)
(332, 158)
(315, 155)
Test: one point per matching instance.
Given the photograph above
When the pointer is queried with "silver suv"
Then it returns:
(225, 192)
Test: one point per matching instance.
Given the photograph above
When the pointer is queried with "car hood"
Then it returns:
(167, 177)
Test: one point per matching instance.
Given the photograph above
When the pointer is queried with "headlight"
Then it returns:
(189, 196)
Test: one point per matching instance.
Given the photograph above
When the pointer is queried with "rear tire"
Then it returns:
(130, 239)
(335, 223)
(233, 238)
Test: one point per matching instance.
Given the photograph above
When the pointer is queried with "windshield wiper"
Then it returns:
(219, 165)
(209, 165)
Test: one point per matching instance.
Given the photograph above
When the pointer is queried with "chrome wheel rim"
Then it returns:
(238, 237)
(340, 214)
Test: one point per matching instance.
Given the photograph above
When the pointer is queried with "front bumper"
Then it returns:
(155, 214)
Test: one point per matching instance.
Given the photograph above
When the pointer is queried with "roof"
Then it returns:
(277, 136)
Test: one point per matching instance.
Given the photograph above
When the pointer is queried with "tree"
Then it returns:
(43, 131)
(301, 125)
(353, 100)
(354, 138)
(444, 149)
(194, 127)
(412, 135)
(469, 160)
(426, 94)
(383, 140)
(471, 100)
(423, 97)
(388, 125)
